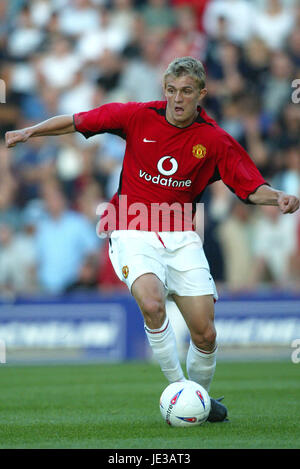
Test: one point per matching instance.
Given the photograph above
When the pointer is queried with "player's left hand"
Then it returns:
(288, 203)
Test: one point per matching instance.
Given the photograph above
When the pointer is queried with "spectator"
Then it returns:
(110, 159)
(78, 96)
(293, 47)
(87, 277)
(277, 89)
(133, 48)
(225, 70)
(26, 38)
(24, 78)
(59, 65)
(289, 176)
(285, 131)
(9, 113)
(64, 241)
(93, 43)
(9, 213)
(141, 80)
(41, 105)
(255, 135)
(77, 17)
(199, 8)
(236, 240)
(217, 200)
(34, 163)
(231, 120)
(88, 200)
(52, 27)
(123, 15)
(184, 39)
(109, 75)
(69, 165)
(295, 262)
(238, 16)
(273, 24)
(256, 60)
(17, 261)
(158, 16)
(40, 12)
(275, 241)
(5, 29)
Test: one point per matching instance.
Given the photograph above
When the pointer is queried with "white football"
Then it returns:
(184, 404)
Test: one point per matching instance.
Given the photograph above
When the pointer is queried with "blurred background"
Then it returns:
(57, 287)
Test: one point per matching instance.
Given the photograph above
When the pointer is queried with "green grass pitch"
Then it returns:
(116, 406)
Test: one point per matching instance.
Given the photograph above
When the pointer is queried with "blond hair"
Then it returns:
(186, 66)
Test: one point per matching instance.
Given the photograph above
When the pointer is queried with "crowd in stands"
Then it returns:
(66, 56)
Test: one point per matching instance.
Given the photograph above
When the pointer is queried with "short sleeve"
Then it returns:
(113, 118)
(236, 168)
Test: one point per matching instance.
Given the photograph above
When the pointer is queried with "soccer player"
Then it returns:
(174, 150)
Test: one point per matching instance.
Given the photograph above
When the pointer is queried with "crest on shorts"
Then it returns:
(199, 151)
(125, 271)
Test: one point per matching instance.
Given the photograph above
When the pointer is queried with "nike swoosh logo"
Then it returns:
(148, 141)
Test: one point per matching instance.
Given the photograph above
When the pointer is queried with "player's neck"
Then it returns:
(181, 123)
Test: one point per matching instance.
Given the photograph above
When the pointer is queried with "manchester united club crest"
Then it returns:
(199, 151)
(125, 271)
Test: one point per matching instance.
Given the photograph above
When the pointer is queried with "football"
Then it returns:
(184, 404)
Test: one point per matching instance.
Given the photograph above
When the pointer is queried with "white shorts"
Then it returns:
(176, 258)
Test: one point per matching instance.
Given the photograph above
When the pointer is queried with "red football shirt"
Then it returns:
(167, 165)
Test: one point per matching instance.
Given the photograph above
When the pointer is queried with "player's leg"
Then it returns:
(138, 264)
(198, 312)
(149, 293)
(194, 292)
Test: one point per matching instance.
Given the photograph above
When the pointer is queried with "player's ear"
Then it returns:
(202, 94)
(164, 87)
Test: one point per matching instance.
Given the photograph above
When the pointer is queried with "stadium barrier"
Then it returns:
(110, 328)
(269, 319)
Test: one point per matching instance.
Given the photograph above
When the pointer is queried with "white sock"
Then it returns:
(201, 365)
(163, 344)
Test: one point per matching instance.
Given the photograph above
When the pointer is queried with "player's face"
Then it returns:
(183, 96)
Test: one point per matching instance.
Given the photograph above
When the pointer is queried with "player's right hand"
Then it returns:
(288, 203)
(16, 136)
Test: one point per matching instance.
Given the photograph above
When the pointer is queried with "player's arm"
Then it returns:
(240, 174)
(58, 125)
(266, 195)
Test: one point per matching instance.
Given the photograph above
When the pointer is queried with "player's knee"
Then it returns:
(154, 312)
(205, 339)
(210, 336)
